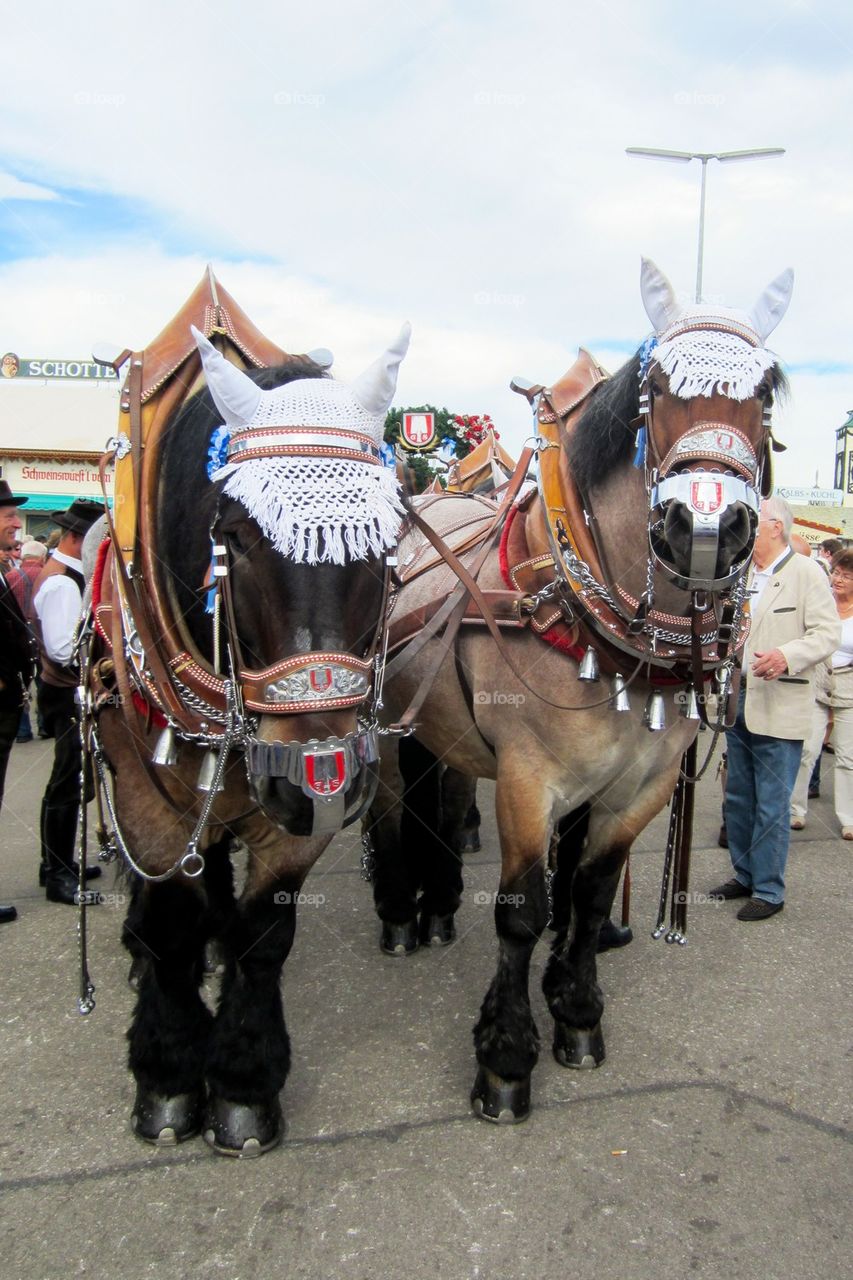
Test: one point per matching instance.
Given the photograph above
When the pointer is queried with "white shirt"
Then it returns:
(843, 656)
(761, 577)
(58, 606)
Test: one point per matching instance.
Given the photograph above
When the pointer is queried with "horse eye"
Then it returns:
(241, 537)
(655, 388)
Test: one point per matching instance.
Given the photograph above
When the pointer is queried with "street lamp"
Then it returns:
(684, 157)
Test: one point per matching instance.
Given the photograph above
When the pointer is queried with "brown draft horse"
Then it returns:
(666, 461)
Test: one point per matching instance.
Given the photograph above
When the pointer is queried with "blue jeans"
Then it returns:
(761, 776)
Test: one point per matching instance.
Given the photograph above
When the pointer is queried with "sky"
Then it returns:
(347, 166)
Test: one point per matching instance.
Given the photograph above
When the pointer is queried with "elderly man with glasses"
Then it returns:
(794, 627)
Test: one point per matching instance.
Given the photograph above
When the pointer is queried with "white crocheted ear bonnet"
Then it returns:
(304, 459)
(704, 349)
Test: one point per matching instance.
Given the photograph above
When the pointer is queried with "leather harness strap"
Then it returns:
(453, 609)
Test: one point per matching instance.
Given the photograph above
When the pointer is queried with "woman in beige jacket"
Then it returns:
(834, 696)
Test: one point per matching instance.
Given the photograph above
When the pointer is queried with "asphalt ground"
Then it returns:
(710, 1143)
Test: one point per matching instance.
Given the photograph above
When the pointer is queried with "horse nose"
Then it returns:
(285, 804)
(706, 547)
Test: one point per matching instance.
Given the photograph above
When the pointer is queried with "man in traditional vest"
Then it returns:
(58, 598)
(16, 662)
(23, 581)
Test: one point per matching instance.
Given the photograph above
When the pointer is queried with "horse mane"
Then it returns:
(186, 499)
(604, 437)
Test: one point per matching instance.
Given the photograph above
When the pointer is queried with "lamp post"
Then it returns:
(684, 157)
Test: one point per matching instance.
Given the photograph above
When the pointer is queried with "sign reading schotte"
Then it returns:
(12, 366)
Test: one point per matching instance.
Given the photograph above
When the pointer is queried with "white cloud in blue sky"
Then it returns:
(461, 165)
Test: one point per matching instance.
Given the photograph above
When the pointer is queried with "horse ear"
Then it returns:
(662, 306)
(235, 396)
(772, 305)
(374, 389)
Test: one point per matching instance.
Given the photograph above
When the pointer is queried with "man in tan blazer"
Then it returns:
(794, 626)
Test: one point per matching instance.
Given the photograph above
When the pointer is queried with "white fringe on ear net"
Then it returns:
(318, 510)
(703, 361)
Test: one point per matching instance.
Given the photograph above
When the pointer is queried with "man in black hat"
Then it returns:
(58, 597)
(16, 656)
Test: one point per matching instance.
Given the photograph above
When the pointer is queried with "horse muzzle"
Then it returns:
(315, 787)
(703, 528)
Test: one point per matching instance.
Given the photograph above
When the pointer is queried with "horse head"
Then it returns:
(305, 517)
(707, 384)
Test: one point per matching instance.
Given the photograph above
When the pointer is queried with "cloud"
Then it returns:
(12, 188)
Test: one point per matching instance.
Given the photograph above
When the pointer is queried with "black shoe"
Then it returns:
(759, 909)
(613, 935)
(26, 739)
(723, 837)
(92, 872)
(814, 793)
(8, 914)
(62, 886)
(731, 889)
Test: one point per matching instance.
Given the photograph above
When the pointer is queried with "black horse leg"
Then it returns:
(506, 1038)
(249, 1054)
(441, 857)
(219, 886)
(570, 836)
(570, 982)
(171, 1025)
(405, 843)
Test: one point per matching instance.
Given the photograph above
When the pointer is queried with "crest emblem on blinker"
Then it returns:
(706, 496)
(417, 431)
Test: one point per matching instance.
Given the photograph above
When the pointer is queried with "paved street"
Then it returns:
(711, 1142)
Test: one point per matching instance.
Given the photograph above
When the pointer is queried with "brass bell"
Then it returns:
(654, 714)
(588, 669)
(619, 694)
(207, 772)
(166, 750)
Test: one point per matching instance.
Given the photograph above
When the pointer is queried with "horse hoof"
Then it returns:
(614, 935)
(437, 931)
(165, 1121)
(399, 939)
(579, 1047)
(234, 1129)
(500, 1101)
